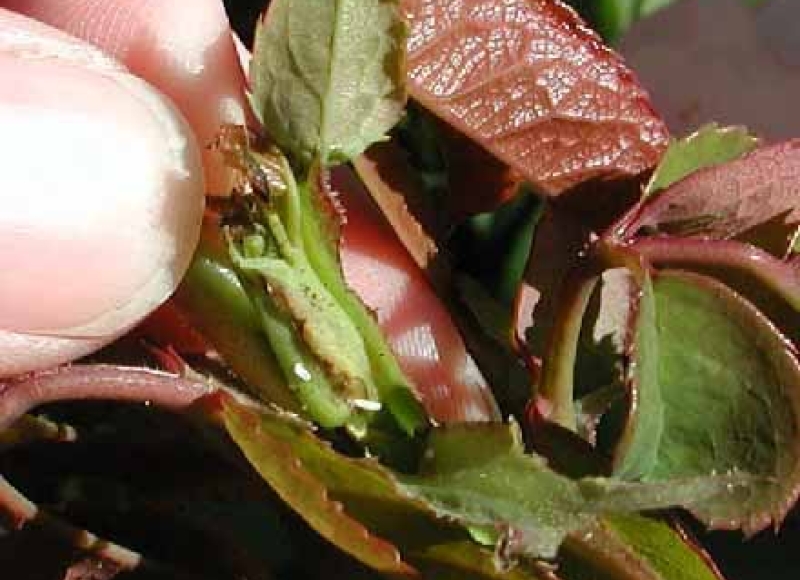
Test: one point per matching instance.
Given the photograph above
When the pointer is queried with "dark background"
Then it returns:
(243, 15)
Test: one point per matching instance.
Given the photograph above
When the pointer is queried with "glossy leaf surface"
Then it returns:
(533, 85)
(416, 323)
(724, 201)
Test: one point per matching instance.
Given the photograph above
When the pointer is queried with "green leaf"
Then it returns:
(465, 560)
(479, 476)
(473, 476)
(620, 134)
(355, 503)
(637, 448)
(710, 145)
(729, 390)
(285, 454)
(328, 77)
(670, 555)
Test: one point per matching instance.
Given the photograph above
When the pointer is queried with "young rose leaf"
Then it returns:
(480, 476)
(392, 521)
(728, 388)
(668, 548)
(410, 311)
(284, 453)
(564, 314)
(328, 77)
(392, 184)
(473, 169)
(726, 201)
(709, 145)
(467, 478)
(418, 325)
(356, 504)
(756, 274)
(466, 560)
(534, 86)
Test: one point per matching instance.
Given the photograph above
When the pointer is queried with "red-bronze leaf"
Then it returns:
(532, 84)
(728, 200)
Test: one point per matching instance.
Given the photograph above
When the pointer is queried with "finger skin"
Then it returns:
(103, 194)
(182, 47)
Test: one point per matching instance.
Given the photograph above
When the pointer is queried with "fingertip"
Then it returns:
(104, 188)
(182, 47)
(25, 353)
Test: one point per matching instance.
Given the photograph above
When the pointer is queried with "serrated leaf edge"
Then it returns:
(384, 557)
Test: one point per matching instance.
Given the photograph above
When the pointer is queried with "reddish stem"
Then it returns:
(781, 277)
(20, 395)
(98, 382)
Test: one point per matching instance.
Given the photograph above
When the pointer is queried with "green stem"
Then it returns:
(301, 371)
(558, 373)
(215, 302)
